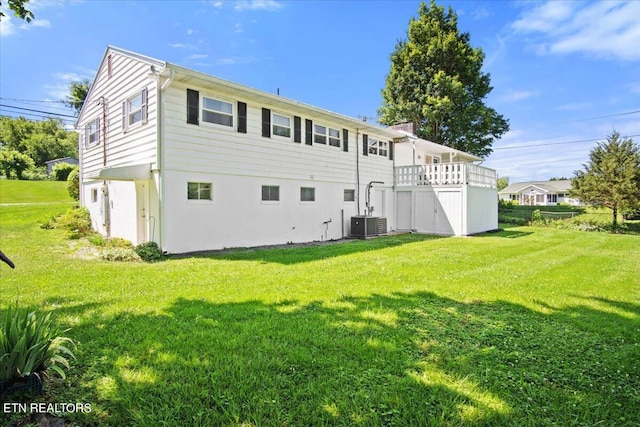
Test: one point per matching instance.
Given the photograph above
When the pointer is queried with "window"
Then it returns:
(349, 195)
(378, 147)
(270, 193)
(94, 195)
(552, 198)
(334, 137)
(281, 125)
(217, 112)
(92, 133)
(321, 134)
(199, 191)
(134, 110)
(307, 194)
(373, 146)
(382, 148)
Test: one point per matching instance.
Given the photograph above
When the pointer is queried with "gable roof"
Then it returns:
(560, 186)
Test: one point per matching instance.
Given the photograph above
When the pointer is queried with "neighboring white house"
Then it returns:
(539, 193)
(193, 162)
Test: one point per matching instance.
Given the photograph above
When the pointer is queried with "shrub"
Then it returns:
(61, 171)
(29, 344)
(149, 252)
(36, 174)
(97, 239)
(12, 161)
(119, 254)
(73, 183)
(77, 223)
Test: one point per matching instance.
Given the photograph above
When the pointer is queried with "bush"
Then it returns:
(12, 161)
(29, 344)
(61, 171)
(149, 252)
(36, 174)
(119, 254)
(77, 223)
(73, 183)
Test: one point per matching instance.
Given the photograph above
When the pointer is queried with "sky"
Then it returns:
(566, 74)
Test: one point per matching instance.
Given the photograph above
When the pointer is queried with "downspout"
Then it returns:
(159, 153)
(106, 202)
(357, 172)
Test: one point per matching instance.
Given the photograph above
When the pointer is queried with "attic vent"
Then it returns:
(109, 67)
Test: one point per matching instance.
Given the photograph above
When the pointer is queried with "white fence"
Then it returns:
(446, 174)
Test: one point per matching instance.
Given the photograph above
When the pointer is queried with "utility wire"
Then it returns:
(511, 147)
(37, 111)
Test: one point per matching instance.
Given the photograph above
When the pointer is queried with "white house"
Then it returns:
(193, 162)
(539, 193)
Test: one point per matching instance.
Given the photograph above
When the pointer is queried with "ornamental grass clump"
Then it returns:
(30, 344)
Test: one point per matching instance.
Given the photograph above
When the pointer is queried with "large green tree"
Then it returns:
(40, 140)
(436, 82)
(77, 93)
(611, 177)
(19, 9)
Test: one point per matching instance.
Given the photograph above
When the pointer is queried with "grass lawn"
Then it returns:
(525, 327)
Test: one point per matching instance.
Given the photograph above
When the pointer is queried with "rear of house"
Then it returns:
(193, 162)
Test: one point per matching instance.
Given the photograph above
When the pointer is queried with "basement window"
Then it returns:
(270, 193)
(199, 191)
(307, 194)
(349, 195)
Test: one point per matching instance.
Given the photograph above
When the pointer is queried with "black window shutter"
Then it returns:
(345, 140)
(390, 150)
(193, 106)
(297, 129)
(266, 123)
(365, 144)
(308, 132)
(242, 117)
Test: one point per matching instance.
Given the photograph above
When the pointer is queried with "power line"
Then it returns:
(37, 111)
(556, 143)
(582, 120)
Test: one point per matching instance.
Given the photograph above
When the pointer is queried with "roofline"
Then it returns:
(110, 48)
(278, 99)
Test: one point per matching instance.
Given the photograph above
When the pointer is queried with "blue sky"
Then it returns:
(565, 73)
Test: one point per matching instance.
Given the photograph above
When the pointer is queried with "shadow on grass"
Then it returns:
(401, 359)
(302, 253)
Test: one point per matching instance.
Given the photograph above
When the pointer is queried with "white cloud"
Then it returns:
(235, 60)
(197, 56)
(6, 26)
(518, 95)
(480, 13)
(42, 23)
(238, 28)
(575, 106)
(609, 30)
(268, 5)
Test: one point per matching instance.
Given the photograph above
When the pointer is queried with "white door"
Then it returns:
(449, 212)
(142, 210)
(404, 210)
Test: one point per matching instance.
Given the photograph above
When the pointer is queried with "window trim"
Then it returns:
(87, 134)
(344, 195)
(274, 125)
(199, 191)
(202, 110)
(127, 112)
(269, 201)
(377, 147)
(313, 194)
(326, 138)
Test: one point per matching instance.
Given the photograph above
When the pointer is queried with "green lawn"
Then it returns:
(526, 327)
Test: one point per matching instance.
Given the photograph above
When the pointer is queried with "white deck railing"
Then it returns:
(446, 174)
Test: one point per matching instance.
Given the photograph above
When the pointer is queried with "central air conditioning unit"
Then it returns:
(365, 226)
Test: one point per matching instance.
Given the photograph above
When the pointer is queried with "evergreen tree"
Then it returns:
(436, 82)
(611, 177)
